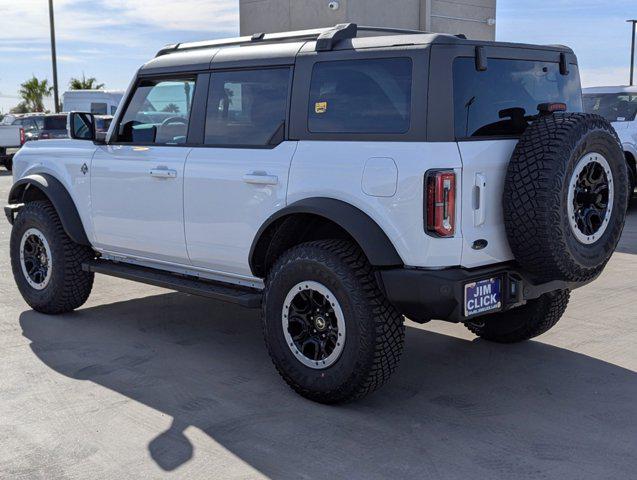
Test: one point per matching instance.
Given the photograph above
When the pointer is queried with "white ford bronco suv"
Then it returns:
(339, 182)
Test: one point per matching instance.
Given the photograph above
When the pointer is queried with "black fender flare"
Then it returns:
(57, 194)
(361, 227)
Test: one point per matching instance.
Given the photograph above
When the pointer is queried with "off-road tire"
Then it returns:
(522, 323)
(536, 196)
(375, 330)
(69, 286)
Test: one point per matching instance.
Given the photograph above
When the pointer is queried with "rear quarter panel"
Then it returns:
(335, 169)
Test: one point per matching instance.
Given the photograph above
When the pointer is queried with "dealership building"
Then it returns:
(474, 18)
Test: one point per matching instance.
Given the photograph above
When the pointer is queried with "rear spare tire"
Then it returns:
(565, 196)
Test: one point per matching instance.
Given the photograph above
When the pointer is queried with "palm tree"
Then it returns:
(33, 92)
(84, 83)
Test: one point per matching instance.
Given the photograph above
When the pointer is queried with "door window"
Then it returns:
(361, 96)
(247, 107)
(158, 113)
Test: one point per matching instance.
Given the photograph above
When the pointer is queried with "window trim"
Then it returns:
(243, 69)
(160, 77)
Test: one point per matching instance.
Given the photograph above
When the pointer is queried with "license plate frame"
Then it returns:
(482, 296)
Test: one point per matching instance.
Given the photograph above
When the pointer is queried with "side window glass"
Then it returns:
(247, 107)
(361, 96)
(159, 112)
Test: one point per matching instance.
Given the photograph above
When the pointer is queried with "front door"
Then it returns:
(137, 180)
(239, 178)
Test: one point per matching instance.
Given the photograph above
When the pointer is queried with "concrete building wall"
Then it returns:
(474, 18)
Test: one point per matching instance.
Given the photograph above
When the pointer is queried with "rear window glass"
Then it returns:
(57, 122)
(503, 100)
(360, 96)
(614, 107)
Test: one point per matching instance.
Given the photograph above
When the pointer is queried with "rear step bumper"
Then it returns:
(246, 297)
(424, 295)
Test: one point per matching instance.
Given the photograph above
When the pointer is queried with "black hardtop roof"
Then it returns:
(282, 48)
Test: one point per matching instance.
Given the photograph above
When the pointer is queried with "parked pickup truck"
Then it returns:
(11, 139)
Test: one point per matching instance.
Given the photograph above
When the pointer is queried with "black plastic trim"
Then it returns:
(424, 295)
(363, 229)
(225, 292)
(57, 194)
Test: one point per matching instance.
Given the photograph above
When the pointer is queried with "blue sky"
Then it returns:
(109, 39)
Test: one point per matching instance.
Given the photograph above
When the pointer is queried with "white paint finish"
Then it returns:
(484, 163)
(229, 194)
(330, 169)
(380, 177)
(133, 212)
(62, 159)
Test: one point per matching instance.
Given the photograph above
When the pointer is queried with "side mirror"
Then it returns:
(82, 126)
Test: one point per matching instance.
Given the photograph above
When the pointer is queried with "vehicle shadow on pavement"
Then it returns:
(5, 173)
(454, 409)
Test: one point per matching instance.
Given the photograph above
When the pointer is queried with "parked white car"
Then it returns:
(618, 105)
(339, 183)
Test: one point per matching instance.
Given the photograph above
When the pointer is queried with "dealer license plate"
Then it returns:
(482, 296)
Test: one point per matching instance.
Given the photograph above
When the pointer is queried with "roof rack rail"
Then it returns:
(326, 38)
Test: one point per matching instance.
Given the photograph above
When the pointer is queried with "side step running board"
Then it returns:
(246, 297)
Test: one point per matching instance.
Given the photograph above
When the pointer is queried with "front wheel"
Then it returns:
(330, 331)
(46, 263)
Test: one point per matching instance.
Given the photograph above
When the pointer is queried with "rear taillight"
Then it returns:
(23, 138)
(440, 203)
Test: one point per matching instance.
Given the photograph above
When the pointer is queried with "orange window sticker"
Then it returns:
(320, 107)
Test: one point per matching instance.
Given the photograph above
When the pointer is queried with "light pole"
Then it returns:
(56, 98)
(632, 51)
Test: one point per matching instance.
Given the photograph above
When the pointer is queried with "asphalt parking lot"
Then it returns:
(146, 383)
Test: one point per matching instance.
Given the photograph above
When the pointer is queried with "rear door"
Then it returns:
(239, 177)
(492, 108)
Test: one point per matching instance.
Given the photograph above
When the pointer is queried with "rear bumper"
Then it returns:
(423, 295)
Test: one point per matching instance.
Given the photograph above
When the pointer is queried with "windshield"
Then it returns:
(503, 100)
(614, 107)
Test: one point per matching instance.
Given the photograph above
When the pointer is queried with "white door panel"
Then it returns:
(137, 201)
(484, 167)
(229, 194)
(337, 170)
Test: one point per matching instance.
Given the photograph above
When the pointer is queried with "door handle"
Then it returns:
(479, 200)
(163, 173)
(260, 178)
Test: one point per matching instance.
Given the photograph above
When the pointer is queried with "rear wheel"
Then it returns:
(523, 323)
(8, 164)
(46, 263)
(330, 331)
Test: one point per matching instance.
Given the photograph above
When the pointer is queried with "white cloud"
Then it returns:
(28, 19)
